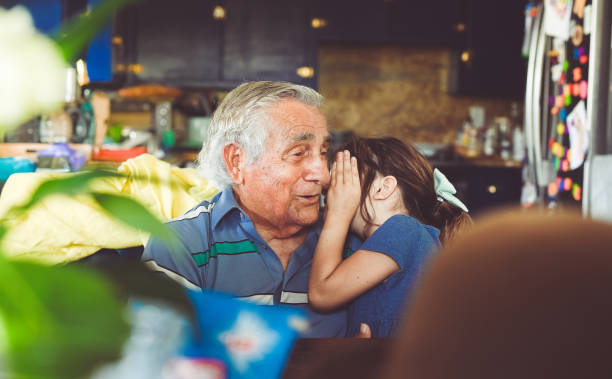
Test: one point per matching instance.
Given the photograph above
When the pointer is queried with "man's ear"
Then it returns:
(233, 155)
(386, 186)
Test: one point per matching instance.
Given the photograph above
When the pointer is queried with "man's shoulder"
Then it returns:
(195, 213)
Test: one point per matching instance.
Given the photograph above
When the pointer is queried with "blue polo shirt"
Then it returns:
(221, 251)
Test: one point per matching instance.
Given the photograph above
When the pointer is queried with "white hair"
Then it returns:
(238, 120)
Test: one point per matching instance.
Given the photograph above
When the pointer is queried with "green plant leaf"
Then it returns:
(79, 322)
(73, 37)
(134, 214)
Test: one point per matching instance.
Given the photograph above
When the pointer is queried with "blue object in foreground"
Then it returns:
(254, 341)
(9, 166)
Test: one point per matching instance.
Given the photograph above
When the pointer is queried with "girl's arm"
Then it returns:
(333, 281)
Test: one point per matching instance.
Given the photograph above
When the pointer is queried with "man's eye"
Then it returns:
(298, 153)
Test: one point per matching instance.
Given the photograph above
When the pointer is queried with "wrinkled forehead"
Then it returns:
(290, 121)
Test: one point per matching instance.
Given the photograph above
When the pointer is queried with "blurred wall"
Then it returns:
(395, 90)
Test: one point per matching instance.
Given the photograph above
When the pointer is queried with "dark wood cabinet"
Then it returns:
(174, 43)
(268, 40)
(492, 40)
(389, 21)
(183, 45)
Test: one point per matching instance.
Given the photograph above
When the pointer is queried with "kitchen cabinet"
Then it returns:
(486, 60)
(268, 40)
(388, 21)
(183, 45)
(174, 43)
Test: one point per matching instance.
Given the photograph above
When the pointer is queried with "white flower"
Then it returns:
(32, 70)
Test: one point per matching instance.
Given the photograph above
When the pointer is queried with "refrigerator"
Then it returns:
(568, 105)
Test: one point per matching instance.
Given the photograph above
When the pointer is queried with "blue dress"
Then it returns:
(409, 243)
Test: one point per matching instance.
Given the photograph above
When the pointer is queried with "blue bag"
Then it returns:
(253, 341)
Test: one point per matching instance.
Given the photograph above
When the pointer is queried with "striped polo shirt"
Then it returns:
(221, 251)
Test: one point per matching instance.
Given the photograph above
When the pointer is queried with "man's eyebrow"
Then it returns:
(303, 137)
(309, 137)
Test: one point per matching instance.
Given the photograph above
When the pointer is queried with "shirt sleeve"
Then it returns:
(179, 262)
(403, 238)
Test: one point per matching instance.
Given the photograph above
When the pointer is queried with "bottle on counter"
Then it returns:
(473, 143)
(504, 138)
(489, 146)
(518, 144)
(518, 137)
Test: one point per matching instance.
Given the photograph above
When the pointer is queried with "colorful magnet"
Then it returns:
(567, 89)
(555, 72)
(565, 66)
(562, 78)
(553, 189)
(580, 51)
(551, 143)
(584, 89)
(556, 163)
(576, 192)
(583, 59)
(551, 99)
(559, 100)
(577, 74)
(567, 184)
(554, 111)
(576, 89)
(556, 149)
(563, 114)
(576, 53)
(565, 165)
(559, 183)
(568, 154)
(576, 34)
(568, 100)
(560, 128)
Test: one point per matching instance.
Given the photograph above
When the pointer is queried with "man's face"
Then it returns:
(282, 188)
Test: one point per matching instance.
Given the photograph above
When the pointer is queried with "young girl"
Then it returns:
(402, 210)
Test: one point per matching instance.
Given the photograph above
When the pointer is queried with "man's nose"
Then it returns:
(317, 170)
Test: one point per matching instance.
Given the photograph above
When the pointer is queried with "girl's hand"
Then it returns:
(344, 191)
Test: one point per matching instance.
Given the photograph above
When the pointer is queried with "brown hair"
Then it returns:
(390, 156)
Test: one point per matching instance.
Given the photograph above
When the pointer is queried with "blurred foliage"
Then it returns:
(60, 321)
(64, 321)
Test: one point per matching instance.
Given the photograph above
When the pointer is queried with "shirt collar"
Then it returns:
(225, 202)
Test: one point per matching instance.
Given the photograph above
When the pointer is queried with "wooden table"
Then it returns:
(320, 358)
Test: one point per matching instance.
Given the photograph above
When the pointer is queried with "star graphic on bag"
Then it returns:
(249, 340)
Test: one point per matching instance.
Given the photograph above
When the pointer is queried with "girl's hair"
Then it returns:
(390, 156)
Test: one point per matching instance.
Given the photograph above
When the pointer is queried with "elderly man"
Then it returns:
(266, 149)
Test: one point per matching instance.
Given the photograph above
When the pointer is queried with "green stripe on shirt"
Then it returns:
(221, 248)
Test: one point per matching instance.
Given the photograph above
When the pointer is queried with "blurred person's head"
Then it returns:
(387, 165)
(521, 295)
(268, 141)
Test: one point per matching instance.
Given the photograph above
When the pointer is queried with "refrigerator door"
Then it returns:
(530, 113)
(597, 199)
